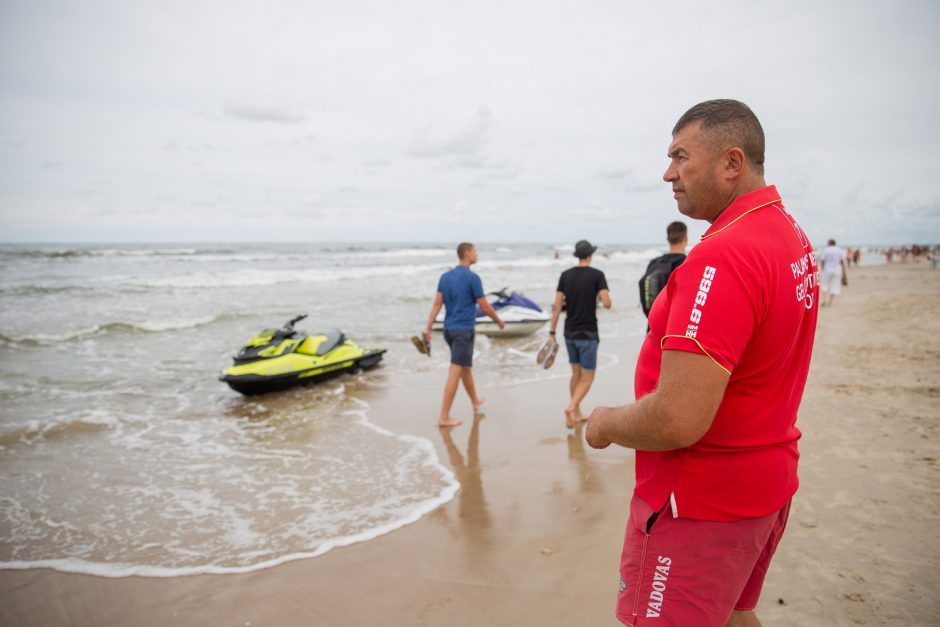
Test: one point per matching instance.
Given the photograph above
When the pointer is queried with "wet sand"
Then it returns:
(533, 537)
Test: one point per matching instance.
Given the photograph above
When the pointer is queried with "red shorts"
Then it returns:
(680, 571)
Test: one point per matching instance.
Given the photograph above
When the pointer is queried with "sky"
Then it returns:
(438, 121)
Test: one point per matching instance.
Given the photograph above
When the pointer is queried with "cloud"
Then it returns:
(598, 213)
(614, 174)
(629, 180)
(264, 114)
(463, 148)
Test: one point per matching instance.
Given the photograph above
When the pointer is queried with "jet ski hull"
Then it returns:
(516, 328)
(293, 370)
(512, 329)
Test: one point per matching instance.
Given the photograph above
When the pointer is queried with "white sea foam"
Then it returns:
(190, 508)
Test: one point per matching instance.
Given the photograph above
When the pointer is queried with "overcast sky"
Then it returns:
(442, 121)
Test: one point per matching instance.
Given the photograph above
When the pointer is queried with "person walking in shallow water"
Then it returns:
(459, 291)
(579, 288)
(718, 383)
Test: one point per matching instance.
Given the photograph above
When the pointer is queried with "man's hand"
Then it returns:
(596, 425)
(427, 335)
(675, 415)
(500, 323)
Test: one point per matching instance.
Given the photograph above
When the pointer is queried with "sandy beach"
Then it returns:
(533, 537)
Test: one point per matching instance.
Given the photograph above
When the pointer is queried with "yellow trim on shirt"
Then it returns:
(707, 235)
(699, 344)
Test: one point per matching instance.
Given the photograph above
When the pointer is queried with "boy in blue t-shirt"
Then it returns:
(460, 290)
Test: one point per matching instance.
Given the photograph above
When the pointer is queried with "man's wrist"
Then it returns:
(551, 333)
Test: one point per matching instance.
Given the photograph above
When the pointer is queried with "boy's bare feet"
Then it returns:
(478, 405)
(449, 422)
(570, 418)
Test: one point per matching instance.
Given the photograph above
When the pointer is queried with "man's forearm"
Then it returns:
(556, 313)
(675, 415)
(644, 425)
(489, 311)
(433, 315)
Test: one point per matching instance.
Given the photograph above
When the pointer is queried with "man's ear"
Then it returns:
(734, 162)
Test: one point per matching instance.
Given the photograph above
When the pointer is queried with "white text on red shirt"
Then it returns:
(708, 277)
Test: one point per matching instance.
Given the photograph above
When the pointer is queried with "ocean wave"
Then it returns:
(64, 424)
(158, 325)
(636, 256)
(396, 253)
(618, 257)
(71, 253)
(260, 278)
(40, 288)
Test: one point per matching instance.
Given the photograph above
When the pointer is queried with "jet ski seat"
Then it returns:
(334, 337)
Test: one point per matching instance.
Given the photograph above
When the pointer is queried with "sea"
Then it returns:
(121, 453)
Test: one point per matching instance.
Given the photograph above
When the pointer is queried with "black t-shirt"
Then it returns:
(580, 285)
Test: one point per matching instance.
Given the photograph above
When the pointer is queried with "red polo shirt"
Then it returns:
(747, 297)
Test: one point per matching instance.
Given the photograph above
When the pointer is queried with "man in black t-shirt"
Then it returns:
(579, 288)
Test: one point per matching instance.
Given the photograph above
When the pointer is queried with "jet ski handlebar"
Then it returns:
(289, 326)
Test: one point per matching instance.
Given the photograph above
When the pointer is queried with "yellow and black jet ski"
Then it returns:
(277, 359)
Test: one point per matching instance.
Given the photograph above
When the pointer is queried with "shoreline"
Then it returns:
(533, 536)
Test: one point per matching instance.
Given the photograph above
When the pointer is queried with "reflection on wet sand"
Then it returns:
(587, 472)
(473, 511)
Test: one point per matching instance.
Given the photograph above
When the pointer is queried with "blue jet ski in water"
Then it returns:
(521, 315)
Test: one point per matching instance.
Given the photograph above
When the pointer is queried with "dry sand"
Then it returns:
(533, 537)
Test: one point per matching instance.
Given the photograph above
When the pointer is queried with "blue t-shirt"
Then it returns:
(460, 288)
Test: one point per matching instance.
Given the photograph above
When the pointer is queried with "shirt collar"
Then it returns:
(741, 206)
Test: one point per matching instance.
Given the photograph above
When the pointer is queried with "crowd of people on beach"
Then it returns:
(913, 253)
(910, 254)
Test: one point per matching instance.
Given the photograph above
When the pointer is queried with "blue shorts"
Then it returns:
(582, 352)
(460, 342)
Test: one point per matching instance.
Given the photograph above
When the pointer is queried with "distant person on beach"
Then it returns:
(718, 383)
(657, 272)
(459, 291)
(579, 289)
(832, 264)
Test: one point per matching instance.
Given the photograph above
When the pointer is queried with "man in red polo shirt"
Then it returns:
(718, 383)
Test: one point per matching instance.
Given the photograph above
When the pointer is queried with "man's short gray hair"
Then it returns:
(725, 124)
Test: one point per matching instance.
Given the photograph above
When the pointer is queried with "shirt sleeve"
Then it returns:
(714, 308)
(476, 285)
(601, 281)
(561, 283)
